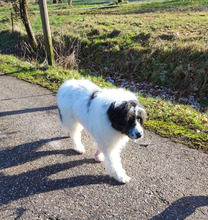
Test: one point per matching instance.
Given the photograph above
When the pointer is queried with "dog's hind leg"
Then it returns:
(75, 129)
(114, 166)
(99, 156)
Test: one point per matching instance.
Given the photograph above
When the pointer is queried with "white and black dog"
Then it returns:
(111, 116)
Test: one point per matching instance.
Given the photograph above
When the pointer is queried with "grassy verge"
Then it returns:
(165, 118)
(161, 42)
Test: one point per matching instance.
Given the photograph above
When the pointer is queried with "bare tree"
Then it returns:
(20, 7)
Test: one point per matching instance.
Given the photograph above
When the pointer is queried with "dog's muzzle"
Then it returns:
(135, 135)
(138, 135)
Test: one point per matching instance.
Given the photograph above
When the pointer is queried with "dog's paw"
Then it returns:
(80, 150)
(99, 157)
(123, 179)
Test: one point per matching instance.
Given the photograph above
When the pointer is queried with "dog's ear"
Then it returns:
(140, 111)
(142, 115)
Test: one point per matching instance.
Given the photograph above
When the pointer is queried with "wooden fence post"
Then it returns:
(46, 31)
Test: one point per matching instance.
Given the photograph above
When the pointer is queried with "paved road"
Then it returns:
(42, 178)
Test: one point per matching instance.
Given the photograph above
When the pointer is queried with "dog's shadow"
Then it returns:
(20, 154)
(14, 187)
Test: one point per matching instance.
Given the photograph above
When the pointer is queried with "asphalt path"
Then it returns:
(41, 177)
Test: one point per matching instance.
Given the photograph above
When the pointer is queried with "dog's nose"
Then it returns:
(138, 135)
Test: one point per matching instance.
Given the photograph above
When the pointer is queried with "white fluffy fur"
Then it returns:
(73, 102)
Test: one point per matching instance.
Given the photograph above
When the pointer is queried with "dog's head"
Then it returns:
(128, 118)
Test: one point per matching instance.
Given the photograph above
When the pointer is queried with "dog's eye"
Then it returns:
(139, 119)
(131, 121)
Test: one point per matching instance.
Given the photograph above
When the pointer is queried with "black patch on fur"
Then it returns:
(93, 95)
(60, 115)
(122, 118)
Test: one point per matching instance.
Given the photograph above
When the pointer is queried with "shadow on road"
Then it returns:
(29, 110)
(34, 182)
(26, 97)
(182, 208)
(24, 153)
(14, 187)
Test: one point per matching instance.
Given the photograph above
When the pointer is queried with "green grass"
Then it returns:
(159, 42)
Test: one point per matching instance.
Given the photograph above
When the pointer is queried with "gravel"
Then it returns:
(157, 91)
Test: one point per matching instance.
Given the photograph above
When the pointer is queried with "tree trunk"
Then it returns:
(26, 22)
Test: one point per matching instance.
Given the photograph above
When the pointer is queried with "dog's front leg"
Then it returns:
(114, 166)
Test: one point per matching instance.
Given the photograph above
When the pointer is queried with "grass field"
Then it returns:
(161, 42)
